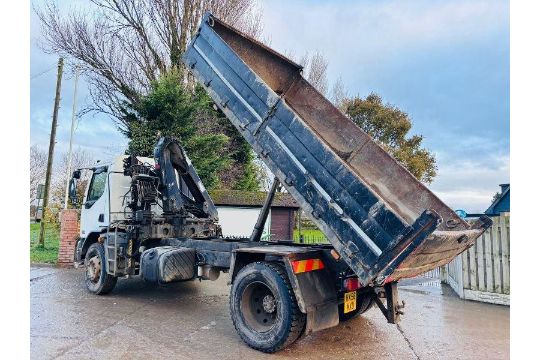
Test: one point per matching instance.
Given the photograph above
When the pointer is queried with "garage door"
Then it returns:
(282, 223)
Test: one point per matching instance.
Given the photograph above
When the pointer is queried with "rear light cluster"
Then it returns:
(351, 284)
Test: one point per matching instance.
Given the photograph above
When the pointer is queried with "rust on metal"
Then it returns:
(276, 105)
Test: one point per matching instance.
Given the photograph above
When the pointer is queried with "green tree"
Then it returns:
(170, 109)
(212, 143)
(389, 127)
(242, 174)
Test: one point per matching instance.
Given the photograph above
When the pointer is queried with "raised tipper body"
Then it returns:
(384, 222)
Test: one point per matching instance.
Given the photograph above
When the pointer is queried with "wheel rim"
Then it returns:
(259, 307)
(93, 269)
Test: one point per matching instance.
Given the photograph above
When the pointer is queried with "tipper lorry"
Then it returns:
(153, 218)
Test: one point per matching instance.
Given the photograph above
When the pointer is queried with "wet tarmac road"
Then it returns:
(191, 321)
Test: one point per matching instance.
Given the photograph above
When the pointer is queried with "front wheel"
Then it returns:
(95, 275)
(264, 310)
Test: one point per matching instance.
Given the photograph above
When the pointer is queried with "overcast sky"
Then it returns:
(445, 63)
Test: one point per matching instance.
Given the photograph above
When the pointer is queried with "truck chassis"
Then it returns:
(279, 290)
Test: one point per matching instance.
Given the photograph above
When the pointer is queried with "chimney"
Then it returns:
(504, 187)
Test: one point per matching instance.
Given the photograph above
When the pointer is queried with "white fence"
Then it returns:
(430, 278)
(482, 272)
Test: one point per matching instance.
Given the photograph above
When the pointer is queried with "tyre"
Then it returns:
(95, 275)
(263, 307)
(363, 304)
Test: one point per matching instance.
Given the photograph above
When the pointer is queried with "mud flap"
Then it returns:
(316, 296)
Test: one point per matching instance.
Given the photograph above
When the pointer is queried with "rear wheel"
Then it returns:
(95, 275)
(363, 304)
(264, 309)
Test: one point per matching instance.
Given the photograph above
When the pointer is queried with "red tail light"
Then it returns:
(351, 284)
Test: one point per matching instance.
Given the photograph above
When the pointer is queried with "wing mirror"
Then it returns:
(73, 197)
(77, 174)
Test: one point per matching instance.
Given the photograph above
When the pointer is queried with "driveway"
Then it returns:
(191, 321)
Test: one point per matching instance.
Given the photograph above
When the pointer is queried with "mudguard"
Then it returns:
(314, 290)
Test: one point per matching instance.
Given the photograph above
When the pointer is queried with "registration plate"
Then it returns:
(350, 302)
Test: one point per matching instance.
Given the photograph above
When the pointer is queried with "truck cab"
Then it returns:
(103, 202)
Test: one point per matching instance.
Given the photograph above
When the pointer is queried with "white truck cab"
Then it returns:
(104, 199)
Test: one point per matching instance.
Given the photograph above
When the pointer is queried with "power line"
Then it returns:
(43, 72)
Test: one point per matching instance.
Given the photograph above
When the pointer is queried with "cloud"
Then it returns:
(456, 146)
(470, 169)
(473, 202)
(406, 23)
(373, 31)
(470, 183)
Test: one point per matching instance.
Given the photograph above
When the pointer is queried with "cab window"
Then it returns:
(97, 185)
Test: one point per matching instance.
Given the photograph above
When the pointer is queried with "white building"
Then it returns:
(238, 212)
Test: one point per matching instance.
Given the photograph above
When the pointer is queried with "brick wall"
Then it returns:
(69, 232)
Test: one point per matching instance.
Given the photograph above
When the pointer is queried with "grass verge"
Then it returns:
(48, 253)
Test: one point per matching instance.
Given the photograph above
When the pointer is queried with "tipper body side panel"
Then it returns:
(381, 219)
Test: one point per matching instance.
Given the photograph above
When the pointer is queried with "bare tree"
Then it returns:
(317, 74)
(110, 152)
(124, 45)
(38, 165)
(80, 159)
(339, 94)
(315, 70)
(315, 66)
(264, 175)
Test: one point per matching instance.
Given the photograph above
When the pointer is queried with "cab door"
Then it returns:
(94, 212)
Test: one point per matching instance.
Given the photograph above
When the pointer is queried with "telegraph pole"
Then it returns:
(51, 150)
(74, 110)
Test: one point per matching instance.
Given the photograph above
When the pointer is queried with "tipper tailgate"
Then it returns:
(381, 219)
